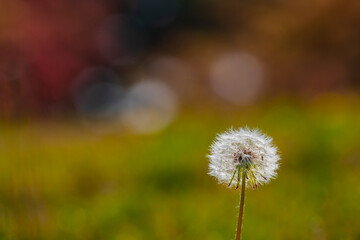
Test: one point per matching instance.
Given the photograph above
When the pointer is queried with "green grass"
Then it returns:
(62, 181)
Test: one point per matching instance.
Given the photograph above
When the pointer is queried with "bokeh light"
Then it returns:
(237, 77)
(98, 93)
(175, 72)
(149, 106)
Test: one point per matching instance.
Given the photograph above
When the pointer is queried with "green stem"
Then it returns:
(242, 203)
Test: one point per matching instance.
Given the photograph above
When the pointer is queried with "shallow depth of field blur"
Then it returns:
(108, 107)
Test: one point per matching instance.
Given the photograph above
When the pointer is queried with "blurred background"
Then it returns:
(108, 107)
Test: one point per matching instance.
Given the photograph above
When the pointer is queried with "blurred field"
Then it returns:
(62, 181)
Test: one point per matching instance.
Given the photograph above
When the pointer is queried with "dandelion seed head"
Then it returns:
(243, 151)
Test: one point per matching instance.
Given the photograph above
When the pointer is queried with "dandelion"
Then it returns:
(243, 157)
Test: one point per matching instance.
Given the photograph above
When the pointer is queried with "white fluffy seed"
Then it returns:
(246, 150)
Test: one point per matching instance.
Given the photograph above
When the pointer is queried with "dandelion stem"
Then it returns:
(241, 211)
